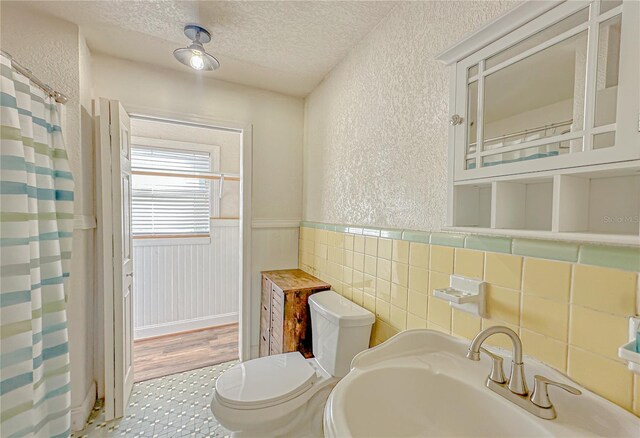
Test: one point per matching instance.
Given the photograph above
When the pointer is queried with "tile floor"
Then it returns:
(171, 406)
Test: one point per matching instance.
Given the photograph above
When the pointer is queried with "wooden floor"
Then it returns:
(170, 354)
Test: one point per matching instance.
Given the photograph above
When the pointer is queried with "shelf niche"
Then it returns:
(472, 205)
(522, 205)
(597, 204)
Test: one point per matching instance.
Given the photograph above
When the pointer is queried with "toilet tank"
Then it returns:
(340, 329)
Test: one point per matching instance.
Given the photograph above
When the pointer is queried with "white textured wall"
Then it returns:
(57, 54)
(375, 149)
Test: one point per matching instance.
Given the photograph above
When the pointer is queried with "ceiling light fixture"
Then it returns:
(194, 55)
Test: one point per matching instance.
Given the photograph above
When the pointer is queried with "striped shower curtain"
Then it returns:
(36, 222)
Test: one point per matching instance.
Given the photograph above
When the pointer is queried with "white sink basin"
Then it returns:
(420, 384)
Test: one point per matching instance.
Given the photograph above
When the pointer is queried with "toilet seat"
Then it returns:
(265, 382)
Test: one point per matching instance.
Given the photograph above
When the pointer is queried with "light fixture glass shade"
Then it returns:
(196, 57)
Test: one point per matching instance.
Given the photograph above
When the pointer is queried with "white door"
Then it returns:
(122, 254)
(114, 217)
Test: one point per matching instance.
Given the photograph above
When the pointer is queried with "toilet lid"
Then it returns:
(266, 381)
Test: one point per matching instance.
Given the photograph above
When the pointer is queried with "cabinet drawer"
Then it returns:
(275, 345)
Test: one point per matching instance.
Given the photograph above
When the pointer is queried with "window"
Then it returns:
(170, 197)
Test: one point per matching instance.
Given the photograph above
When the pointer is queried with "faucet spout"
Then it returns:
(517, 383)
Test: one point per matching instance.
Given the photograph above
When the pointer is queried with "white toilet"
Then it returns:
(285, 394)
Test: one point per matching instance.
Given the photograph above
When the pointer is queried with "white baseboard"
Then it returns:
(151, 331)
(80, 414)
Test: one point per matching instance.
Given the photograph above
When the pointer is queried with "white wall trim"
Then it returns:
(184, 326)
(496, 29)
(276, 223)
(222, 222)
(80, 414)
(84, 222)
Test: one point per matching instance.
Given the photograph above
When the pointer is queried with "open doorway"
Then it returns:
(186, 242)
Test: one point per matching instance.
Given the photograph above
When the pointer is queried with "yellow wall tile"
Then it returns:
(400, 251)
(358, 262)
(369, 302)
(604, 289)
(348, 242)
(358, 280)
(321, 236)
(321, 250)
(400, 273)
(384, 248)
(369, 284)
(399, 296)
(335, 255)
(383, 309)
(347, 275)
(358, 297)
(469, 263)
(370, 264)
(503, 270)
(415, 322)
(398, 318)
(547, 350)
(381, 332)
(609, 378)
(436, 327)
(465, 324)
(358, 244)
(335, 239)
(417, 304)
(419, 255)
(441, 259)
(347, 292)
(437, 280)
(503, 304)
(348, 259)
(546, 278)
(499, 340)
(371, 246)
(383, 290)
(547, 317)
(439, 312)
(384, 269)
(597, 332)
(418, 279)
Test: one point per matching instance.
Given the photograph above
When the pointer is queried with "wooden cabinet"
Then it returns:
(285, 322)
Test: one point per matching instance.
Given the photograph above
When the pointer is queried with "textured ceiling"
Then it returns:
(278, 45)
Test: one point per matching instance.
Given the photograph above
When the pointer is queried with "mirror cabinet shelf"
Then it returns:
(545, 127)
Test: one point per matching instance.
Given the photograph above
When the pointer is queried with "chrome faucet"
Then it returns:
(515, 388)
(516, 382)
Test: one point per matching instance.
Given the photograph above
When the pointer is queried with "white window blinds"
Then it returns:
(168, 197)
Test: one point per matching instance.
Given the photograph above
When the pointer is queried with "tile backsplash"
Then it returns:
(568, 303)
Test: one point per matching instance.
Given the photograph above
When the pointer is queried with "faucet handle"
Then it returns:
(497, 371)
(540, 395)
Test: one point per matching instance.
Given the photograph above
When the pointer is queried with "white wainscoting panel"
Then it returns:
(273, 247)
(186, 284)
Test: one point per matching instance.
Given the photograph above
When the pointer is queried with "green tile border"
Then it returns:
(546, 249)
(609, 256)
(448, 239)
(488, 243)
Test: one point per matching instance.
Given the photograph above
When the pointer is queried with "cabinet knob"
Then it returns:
(456, 119)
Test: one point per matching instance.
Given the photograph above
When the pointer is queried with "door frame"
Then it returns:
(105, 340)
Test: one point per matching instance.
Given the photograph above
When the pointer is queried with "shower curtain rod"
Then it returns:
(59, 97)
